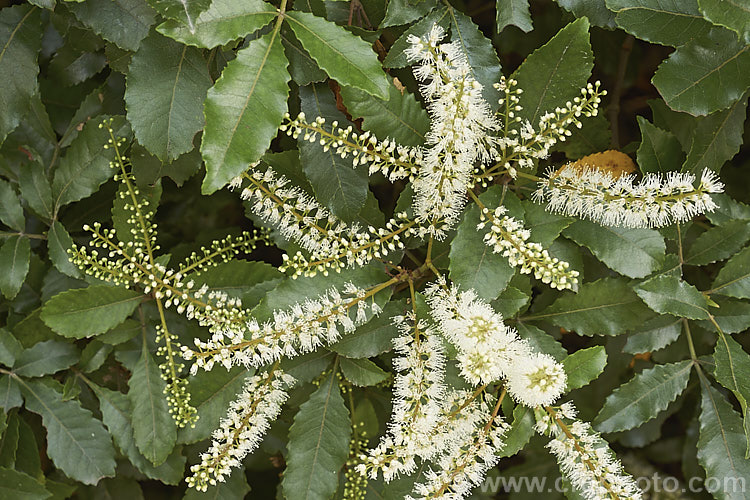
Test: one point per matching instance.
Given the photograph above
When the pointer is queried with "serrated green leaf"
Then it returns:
(721, 442)
(185, 11)
(732, 315)
(86, 164)
(27, 455)
(731, 14)
(584, 365)
(731, 369)
(654, 334)
(222, 22)
(14, 264)
(604, 307)
(555, 72)
(706, 74)
(595, 10)
(734, 278)
(10, 348)
(9, 441)
(401, 12)
(666, 23)
(362, 372)
(472, 262)
(20, 486)
(635, 253)
(211, 392)
(396, 57)
(660, 151)
(511, 301)
(318, 444)
(58, 244)
(10, 393)
(84, 312)
(165, 107)
(76, 442)
(302, 67)
(543, 226)
(513, 13)
(20, 39)
(483, 60)
(345, 57)
(372, 338)
(154, 429)
(671, 295)
(11, 212)
(718, 243)
(335, 181)
(46, 358)
(36, 189)
(116, 413)
(520, 431)
(124, 22)
(309, 366)
(401, 118)
(244, 110)
(643, 397)
(541, 341)
(94, 355)
(716, 139)
(246, 280)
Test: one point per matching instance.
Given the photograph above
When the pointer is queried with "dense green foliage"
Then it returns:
(653, 338)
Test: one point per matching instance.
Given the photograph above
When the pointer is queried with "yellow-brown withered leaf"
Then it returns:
(612, 161)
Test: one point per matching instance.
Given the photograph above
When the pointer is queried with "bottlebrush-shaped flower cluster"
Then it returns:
(456, 432)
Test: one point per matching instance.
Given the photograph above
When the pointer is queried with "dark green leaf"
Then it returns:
(541, 341)
(76, 442)
(35, 189)
(706, 74)
(635, 253)
(485, 66)
(472, 262)
(9, 441)
(595, 10)
(604, 307)
(344, 56)
(654, 334)
(46, 358)
(86, 164)
(185, 11)
(166, 107)
(58, 244)
(671, 295)
(309, 366)
(667, 23)
(89, 311)
(734, 15)
(513, 13)
(584, 365)
(372, 338)
(337, 184)
(244, 110)
(731, 370)
(20, 39)
(20, 486)
(116, 413)
(521, 430)
(362, 372)
(246, 280)
(211, 392)
(318, 444)
(721, 442)
(14, 264)
(224, 21)
(555, 72)
(400, 118)
(401, 12)
(234, 486)
(734, 278)
(732, 315)
(718, 243)
(11, 213)
(124, 22)
(716, 139)
(10, 348)
(154, 430)
(544, 226)
(660, 151)
(10, 393)
(643, 397)
(302, 67)
(94, 355)
(511, 301)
